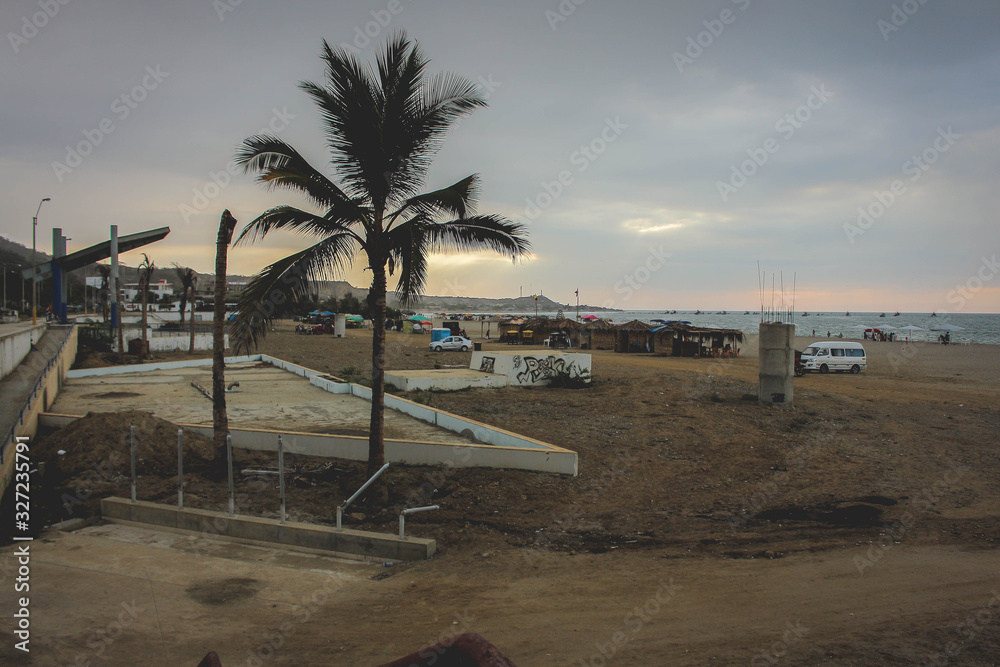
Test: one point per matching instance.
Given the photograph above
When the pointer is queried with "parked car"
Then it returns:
(452, 343)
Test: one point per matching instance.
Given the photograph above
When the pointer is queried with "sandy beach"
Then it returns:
(858, 527)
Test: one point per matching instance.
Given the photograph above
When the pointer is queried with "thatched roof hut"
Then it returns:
(599, 335)
(686, 340)
(543, 327)
(635, 336)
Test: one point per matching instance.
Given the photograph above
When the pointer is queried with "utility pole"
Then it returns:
(34, 270)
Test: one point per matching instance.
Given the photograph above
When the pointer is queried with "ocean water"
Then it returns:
(978, 327)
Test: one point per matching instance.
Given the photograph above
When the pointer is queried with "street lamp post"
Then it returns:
(34, 270)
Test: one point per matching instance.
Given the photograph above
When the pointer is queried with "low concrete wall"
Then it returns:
(182, 342)
(16, 344)
(154, 366)
(216, 525)
(448, 379)
(36, 388)
(522, 454)
(531, 367)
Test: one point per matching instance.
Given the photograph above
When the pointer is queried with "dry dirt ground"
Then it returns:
(858, 528)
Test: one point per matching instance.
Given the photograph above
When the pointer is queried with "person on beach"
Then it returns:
(487, 334)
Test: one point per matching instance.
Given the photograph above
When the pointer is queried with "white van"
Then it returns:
(834, 355)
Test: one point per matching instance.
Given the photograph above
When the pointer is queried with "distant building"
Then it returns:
(160, 289)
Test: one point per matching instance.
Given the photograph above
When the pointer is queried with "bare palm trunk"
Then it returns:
(220, 419)
(191, 345)
(379, 493)
(142, 327)
(121, 322)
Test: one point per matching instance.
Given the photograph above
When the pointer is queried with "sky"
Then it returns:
(657, 152)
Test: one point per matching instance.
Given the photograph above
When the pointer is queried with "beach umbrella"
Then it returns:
(589, 317)
(420, 318)
(911, 328)
(355, 318)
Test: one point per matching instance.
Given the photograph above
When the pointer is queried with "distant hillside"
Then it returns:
(15, 254)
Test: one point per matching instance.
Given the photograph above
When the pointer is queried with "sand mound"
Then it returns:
(100, 442)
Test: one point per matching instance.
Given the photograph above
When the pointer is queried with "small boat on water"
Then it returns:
(746, 312)
(805, 314)
(847, 314)
(896, 314)
(697, 312)
(933, 314)
(882, 315)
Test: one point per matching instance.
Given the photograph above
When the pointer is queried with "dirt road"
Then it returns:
(858, 528)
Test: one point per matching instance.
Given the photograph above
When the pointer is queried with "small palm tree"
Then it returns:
(187, 278)
(383, 127)
(194, 282)
(146, 268)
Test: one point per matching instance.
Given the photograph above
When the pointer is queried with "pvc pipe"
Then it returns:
(412, 510)
(346, 503)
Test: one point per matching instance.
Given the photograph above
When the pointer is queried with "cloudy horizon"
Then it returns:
(656, 153)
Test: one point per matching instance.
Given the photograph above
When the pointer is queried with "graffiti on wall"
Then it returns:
(487, 364)
(538, 368)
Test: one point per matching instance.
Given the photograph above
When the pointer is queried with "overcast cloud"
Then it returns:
(656, 151)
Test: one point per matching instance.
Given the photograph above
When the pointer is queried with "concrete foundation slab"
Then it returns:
(219, 525)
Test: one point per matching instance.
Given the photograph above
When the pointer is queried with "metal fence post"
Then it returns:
(281, 476)
(229, 458)
(180, 467)
(131, 446)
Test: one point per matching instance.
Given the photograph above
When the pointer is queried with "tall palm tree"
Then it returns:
(383, 126)
(220, 418)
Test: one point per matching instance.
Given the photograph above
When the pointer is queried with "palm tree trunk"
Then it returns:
(191, 345)
(220, 419)
(121, 323)
(379, 492)
(142, 328)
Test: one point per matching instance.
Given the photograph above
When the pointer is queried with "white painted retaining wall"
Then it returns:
(530, 367)
(15, 346)
(353, 448)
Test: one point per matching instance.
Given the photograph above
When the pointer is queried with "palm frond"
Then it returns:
(458, 200)
(409, 252)
(288, 279)
(296, 220)
(481, 232)
(279, 165)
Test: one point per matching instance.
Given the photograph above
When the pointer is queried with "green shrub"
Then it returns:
(570, 377)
